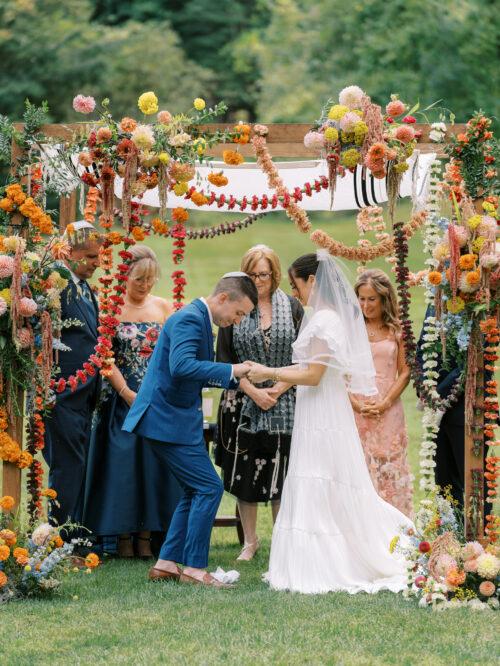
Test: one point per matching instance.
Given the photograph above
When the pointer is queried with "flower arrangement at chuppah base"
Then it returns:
(355, 132)
(445, 570)
(35, 561)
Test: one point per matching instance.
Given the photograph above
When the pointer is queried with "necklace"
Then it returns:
(372, 334)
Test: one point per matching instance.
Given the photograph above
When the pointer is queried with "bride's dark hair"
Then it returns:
(304, 266)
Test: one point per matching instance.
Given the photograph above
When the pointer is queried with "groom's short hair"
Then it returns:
(237, 287)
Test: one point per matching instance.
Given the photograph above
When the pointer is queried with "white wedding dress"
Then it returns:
(333, 531)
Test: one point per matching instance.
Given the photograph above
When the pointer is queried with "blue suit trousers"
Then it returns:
(188, 538)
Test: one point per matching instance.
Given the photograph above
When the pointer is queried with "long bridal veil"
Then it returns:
(332, 299)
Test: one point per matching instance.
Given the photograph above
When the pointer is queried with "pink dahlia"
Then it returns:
(6, 266)
(27, 307)
(470, 566)
(471, 550)
(314, 140)
(348, 121)
(83, 104)
(405, 134)
(395, 108)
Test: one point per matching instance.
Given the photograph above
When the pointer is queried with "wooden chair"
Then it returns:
(223, 521)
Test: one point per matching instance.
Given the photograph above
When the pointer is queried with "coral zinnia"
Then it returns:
(404, 133)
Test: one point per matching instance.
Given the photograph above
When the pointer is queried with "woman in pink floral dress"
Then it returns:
(380, 420)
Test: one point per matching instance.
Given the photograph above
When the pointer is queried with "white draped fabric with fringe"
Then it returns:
(333, 531)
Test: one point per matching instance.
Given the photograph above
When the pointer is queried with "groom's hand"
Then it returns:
(241, 369)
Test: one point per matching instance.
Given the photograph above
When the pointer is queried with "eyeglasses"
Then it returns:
(261, 276)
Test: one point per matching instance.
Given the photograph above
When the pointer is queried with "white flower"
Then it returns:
(42, 534)
(351, 96)
(179, 140)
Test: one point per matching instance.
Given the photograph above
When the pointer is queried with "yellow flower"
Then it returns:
(331, 134)
(164, 158)
(474, 221)
(393, 544)
(488, 207)
(5, 294)
(181, 188)
(337, 111)
(478, 243)
(441, 251)
(350, 158)
(200, 145)
(401, 167)
(455, 305)
(360, 131)
(199, 104)
(27, 568)
(148, 103)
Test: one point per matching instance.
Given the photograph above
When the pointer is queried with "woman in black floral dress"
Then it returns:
(255, 422)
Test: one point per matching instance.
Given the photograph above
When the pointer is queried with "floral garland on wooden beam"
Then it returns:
(381, 249)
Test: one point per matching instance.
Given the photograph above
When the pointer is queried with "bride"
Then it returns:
(333, 531)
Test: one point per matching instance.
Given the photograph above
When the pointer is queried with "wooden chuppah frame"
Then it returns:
(285, 140)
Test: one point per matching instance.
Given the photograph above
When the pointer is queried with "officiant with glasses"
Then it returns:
(255, 422)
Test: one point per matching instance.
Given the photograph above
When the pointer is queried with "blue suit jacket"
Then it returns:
(168, 406)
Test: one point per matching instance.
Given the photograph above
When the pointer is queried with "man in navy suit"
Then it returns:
(67, 429)
(167, 412)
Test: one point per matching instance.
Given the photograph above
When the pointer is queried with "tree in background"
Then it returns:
(422, 49)
(51, 50)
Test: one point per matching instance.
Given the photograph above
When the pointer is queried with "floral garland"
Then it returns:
(491, 332)
(364, 254)
(442, 404)
(10, 451)
(264, 160)
(255, 202)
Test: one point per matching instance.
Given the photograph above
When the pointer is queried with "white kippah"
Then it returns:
(82, 224)
(234, 274)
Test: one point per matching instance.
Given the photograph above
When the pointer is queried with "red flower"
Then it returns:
(152, 335)
(145, 351)
(409, 119)
(424, 546)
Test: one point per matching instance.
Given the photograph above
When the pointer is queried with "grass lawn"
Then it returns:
(116, 617)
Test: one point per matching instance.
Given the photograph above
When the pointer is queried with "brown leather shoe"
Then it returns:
(207, 580)
(160, 574)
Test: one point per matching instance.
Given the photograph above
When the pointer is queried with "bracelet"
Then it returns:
(121, 390)
(276, 376)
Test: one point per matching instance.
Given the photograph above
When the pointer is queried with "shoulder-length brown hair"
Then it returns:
(254, 254)
(377, 279)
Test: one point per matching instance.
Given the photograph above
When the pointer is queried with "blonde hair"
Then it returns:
(145, 260)
(379, 281)
(254, 254)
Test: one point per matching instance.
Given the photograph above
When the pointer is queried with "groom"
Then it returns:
(167, 413)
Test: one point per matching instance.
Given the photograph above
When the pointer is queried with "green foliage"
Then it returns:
(68, 55)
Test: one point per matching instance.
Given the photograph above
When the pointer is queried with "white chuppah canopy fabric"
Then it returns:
(355, 190)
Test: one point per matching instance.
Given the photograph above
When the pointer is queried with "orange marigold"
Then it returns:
(3, 579)
(467, 261)
(218, 179)
(128, 124)
(49, 492)
(92, 561)
(7, 205)
(114, 237)
(7, 503)
(159, 226)
(20, 552)
(435, 277)
(4, 553)
(180, 215)
(232, 157)
(454, 577)
(138, 233)
(9, 537)
(58, 542)
(473, 277)
(199, 199)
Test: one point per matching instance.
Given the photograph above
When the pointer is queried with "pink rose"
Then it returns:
(395, 108)
(83, 104)
(27, 307)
